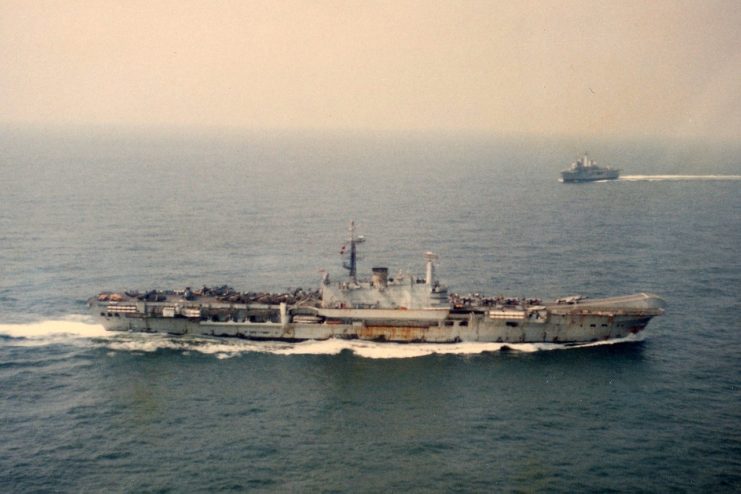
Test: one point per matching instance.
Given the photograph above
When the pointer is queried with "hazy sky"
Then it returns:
(643, 68)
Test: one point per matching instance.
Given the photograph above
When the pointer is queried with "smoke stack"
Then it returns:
(380, 277)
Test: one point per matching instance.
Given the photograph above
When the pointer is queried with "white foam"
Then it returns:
(73, 330)
(659, 178)
(77, 332)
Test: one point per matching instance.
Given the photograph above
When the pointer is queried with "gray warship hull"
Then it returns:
(586, 170)
(579, 322)
(401, 309)
(591, 176)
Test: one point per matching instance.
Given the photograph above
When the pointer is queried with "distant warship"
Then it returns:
(402, 308)
(586, 170)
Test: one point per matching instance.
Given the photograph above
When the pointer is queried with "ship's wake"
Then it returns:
(76, 331)
(665, 178)
(79, 332)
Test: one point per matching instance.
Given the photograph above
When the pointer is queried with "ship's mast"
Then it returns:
(352, 264)
(430, 259)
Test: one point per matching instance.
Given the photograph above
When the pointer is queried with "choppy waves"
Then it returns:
(81, 333)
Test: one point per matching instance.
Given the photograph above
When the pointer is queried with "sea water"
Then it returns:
(82, 409)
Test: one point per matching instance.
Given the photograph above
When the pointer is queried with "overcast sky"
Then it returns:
(584, 67)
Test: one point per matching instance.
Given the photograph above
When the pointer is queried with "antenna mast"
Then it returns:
(352, 264)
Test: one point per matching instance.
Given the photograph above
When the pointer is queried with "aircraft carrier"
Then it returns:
(402, 308)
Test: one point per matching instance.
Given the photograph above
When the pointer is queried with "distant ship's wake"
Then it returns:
(664, 178)
(78, 332)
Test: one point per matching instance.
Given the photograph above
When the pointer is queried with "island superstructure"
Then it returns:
(586, 170)
(403, 308)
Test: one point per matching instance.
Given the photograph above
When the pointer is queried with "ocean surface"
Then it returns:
(84, 410)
